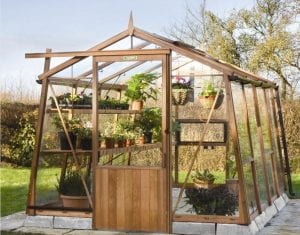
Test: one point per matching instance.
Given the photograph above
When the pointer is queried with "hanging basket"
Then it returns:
(208, 101)
(181, 96)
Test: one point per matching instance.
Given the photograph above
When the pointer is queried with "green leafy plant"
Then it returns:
(209, 90)
(215, 201)
(71, 184)
(73, 125)
(204, 176)
(149, 119)
(139, 87)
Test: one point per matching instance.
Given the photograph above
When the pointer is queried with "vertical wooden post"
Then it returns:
(273, 162)
(243, 205)
(284, 144)
(277, 132)
(95, 138)
(261, 144)
(176, 154)
(166, 135)
(253, 165)
(38, 138)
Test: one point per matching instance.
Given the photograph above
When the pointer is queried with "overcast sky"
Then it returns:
(64, 25)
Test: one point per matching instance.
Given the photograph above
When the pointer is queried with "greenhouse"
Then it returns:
(142, 133)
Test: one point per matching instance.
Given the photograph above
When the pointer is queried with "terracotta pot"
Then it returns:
(75, 201)
(137, 105)
(142, 140)
(208, 101)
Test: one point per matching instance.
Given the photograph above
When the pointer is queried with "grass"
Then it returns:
(14, 187)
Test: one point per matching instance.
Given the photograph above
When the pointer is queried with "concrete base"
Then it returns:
(39, 221)
(74, 223)
(13, 221)
(229, 229)
(193, 228)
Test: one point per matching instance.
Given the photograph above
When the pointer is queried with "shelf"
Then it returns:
(89, 111)
(104, 151)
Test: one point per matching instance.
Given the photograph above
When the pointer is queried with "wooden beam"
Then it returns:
(166, 136)
(96, 53)
(95, 132)
(80, 83)
(31, 198)
(74, 60)
(243, 204)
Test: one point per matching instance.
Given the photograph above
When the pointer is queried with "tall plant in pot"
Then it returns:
(72, 191)
(140, 89)
(72, 125)
(85, 136)
(149, 121)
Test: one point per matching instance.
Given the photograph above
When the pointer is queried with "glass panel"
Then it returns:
(239, 108)
(255, 143)
(266, 137)
(280, 174)
(250, 193)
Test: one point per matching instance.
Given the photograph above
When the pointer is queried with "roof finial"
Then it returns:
(130, 24)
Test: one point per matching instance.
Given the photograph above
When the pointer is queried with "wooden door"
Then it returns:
(131, 199)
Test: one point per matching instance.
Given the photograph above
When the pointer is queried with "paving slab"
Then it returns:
(229, 229)
(12, 222)
(72, 223)
(39, 221)
(279, 203)
(48, 231)
(193, 228)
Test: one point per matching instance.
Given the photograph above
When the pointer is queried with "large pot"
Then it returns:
(137, 105)
(81, 202)
(64, 144)
(148, 137)
(86, 143)
(208, 101)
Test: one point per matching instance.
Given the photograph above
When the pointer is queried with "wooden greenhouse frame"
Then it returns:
(160, 179)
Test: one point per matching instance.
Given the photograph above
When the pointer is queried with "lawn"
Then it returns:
(14, 187)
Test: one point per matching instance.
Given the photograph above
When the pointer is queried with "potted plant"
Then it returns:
(73, 125)
(208, 94)
(203, 179)
(109, 135)
(121, 140)
(85, 137)
(181, 89)
(62, 100)
(126, 128)
(215, 201)
(139, 89)
(72, 191)
(149, 121)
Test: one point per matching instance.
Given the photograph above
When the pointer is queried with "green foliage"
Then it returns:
(71, 185)
(149, 119)
(215, 201)
(205, 176)
(180, 83)
(111, 103)
(73, 125)
(209, 90)
(22, 143)
(139, 87)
